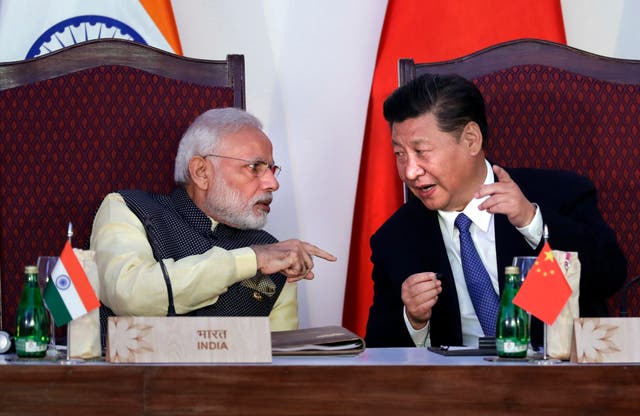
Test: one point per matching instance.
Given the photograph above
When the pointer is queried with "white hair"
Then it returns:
(204, 134)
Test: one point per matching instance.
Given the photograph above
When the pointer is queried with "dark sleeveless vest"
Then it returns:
(177, 228)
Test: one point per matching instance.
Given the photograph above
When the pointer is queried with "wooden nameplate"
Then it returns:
(606, 340)
(188, 339)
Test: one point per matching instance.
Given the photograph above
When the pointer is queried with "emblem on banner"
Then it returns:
(80, 29)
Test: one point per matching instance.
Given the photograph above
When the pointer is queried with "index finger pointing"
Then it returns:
(501, 174)
(318, 252)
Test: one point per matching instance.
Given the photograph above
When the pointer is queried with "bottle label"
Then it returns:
(30, 346)
(508, 346)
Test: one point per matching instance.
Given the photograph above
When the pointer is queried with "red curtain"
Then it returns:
(427, 31)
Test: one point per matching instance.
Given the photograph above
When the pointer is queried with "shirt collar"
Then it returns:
(481, 218)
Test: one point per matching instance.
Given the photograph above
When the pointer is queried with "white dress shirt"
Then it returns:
(483, 234)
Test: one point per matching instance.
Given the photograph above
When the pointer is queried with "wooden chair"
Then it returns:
(84, 121)
(553, 106)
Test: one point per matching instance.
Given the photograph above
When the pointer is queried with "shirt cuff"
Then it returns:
(419, 336)
(246, 262)
(532, 233)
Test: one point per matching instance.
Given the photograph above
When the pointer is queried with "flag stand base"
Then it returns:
(68, 360)
(545, 358)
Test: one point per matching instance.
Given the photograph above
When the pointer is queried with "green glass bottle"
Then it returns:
(32, 330)
(512, 330)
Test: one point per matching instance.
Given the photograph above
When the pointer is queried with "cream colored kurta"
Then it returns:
(131, 280)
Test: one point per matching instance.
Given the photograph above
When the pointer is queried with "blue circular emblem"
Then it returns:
(79, 29)
(63, 282)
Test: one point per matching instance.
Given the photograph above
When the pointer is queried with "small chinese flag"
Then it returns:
(545, 290)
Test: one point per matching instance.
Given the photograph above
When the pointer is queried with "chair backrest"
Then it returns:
(553, 106)
(84, 121)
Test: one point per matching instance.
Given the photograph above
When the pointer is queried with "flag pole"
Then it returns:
(545, 355)
(70, 232)
(68, 360)
(545, 237)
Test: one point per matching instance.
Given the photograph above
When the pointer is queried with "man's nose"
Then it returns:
(269, 181)
(412, 170)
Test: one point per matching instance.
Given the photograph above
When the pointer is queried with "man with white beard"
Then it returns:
(200, 251)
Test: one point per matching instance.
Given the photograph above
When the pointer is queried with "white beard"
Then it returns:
(225, 204)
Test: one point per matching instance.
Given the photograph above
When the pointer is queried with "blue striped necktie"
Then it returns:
(483, 296)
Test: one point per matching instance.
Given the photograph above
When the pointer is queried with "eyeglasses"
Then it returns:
(258, 167)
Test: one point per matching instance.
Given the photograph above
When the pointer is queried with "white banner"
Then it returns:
(36, 27)
(309, 66)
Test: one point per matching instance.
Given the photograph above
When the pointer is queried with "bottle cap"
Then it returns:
(512, 270)
(5, 342)
(31, 269)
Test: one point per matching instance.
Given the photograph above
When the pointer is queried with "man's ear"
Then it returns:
(200, 172)
(472, 137)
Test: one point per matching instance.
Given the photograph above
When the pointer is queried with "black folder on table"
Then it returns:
(325, 340)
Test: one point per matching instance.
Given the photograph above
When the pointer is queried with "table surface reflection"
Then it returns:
(377, 381)
(370, 357)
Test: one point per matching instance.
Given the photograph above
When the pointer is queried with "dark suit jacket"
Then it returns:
(410, 242)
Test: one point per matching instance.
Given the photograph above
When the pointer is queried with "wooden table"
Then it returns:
(378, 381)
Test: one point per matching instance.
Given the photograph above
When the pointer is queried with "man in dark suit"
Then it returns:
(439, 129)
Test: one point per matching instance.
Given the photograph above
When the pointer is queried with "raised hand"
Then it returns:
(505, 197)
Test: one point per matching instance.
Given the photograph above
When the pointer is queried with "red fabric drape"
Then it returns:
(427, 31)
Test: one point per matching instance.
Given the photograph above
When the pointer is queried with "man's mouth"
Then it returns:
(264, 205)
(424, 190)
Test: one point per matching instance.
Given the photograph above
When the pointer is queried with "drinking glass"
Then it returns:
(525, 263)
(45, 267)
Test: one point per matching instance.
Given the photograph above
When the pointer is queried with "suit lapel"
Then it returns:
(445, 321)
(509, 243)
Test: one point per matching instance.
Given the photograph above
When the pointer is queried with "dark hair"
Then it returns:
(452, 99)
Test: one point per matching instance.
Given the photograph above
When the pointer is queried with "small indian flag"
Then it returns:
(68, 293)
